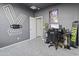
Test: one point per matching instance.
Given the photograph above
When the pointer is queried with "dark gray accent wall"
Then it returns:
(67, 13)
(5, 39)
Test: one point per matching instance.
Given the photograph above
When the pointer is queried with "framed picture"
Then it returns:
(53, 16)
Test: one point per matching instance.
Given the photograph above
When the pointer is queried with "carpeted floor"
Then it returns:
(35, 47)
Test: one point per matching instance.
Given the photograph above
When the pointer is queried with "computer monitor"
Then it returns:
(56, 26)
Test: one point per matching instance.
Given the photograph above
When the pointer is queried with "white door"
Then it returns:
(32, 28)
(39, 26)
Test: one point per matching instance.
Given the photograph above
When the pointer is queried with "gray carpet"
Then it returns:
(35, 47)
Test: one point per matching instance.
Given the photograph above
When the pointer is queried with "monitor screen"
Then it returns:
(54, 26)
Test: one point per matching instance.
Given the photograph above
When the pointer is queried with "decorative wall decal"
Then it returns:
(13, 32)
(16, 23)
(21, 18)
(10, 14)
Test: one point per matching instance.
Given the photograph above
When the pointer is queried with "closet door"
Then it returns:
(32, 28)
(39, 26)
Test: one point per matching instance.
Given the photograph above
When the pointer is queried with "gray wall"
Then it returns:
(5, 39)
(67, 14)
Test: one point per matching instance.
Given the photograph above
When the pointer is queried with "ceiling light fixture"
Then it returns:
(33, 7)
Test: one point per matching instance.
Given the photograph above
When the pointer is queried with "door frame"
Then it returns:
(42, 25)
(36, 24)
(30, 25)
